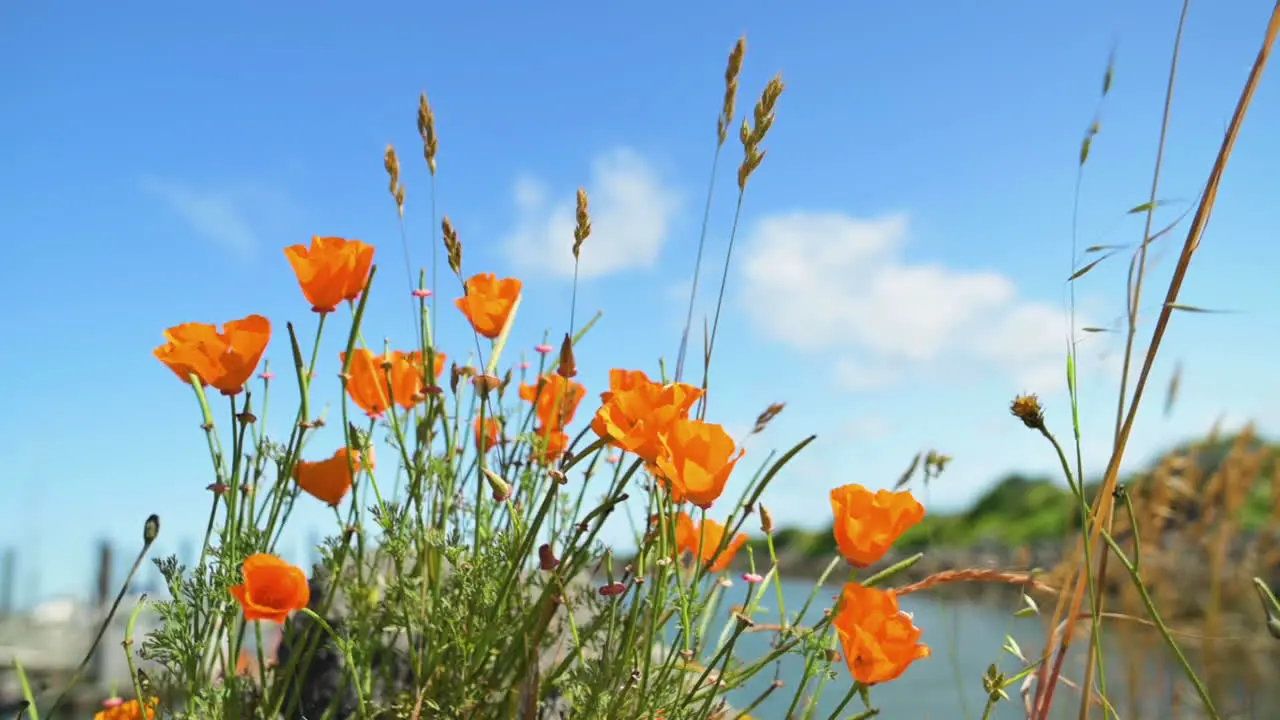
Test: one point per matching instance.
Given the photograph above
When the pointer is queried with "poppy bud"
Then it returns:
(151, 530)
(568, 367)
(766, 520)
(501, 488)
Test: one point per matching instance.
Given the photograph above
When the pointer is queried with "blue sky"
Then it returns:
(899, 273)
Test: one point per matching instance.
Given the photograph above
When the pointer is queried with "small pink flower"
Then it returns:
(753, 578)
(217, 488)
(422, 293)
(112, 702)
(524, 365)
(612, 589)
(544, 349)
(261, 376)
(612, 459)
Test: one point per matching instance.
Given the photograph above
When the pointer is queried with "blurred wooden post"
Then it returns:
(8, 573)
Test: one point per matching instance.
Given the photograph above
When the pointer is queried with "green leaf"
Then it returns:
(1145, 207)
(1081, 272)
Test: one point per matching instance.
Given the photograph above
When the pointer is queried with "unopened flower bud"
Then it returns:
(766, 520)
(501, 488)
(151, 530)
(568, 367)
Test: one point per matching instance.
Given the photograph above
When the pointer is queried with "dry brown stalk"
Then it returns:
(948, 577)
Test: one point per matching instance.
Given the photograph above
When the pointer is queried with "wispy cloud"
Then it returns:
(230, 216)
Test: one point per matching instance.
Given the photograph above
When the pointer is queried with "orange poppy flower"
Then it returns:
(867, 524)
(635, 410)
(489, 302)
(557, 399)
(553, 444)
(880, 641)
(131, 710)
(704, 540)
(329, 480)
(272, 589)
(367, 380)
(696, 461)
(225, 360)
(488, 437)
(331, 270)
(409, 380)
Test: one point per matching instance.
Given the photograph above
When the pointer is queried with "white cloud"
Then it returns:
(631, 214)
(838, 284)
(231, 216)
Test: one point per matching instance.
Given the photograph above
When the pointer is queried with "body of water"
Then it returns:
(966, 637)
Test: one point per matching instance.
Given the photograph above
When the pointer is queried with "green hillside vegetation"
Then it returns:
(1022, 510)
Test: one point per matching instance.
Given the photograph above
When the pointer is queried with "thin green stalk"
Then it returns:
(127, 644)
(346, 653)
(149, 536)
(844, 702)
(28, 696)
(697, 264)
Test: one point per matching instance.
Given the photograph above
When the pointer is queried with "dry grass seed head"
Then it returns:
(582, 228)
(947, 577)
(452, 246)
(764, 418)
(731, 74)
(427, 129)
(392, 163)
(753, 134)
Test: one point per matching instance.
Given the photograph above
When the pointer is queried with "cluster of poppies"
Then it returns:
(691, 459)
